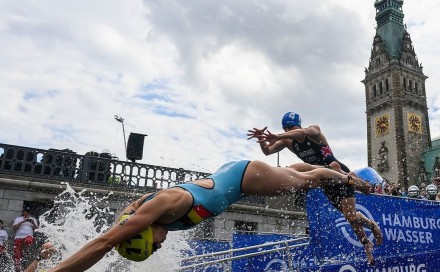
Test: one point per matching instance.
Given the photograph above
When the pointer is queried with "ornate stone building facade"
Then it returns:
(396, 107)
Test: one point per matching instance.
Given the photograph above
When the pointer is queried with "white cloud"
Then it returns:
(194, 75)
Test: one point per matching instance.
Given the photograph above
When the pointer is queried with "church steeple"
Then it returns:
(389, 18)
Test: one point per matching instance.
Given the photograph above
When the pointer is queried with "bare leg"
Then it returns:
(359, 184)
(304, 167)
(362, 186)
(378, 236)
(358, 221)
(321, 177)
(263, 179)
(335, 166)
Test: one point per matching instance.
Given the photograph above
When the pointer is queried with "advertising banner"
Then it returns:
(423, 262)
(411, 240)
(408, 226)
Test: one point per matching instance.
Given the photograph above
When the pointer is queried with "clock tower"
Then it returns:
(397, 112)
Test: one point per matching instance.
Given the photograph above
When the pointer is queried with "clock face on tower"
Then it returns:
(382, 124)
(414, 122)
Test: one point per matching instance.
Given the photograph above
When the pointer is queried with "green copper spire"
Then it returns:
(389, 18)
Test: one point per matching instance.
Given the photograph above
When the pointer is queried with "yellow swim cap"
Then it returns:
(139, 247)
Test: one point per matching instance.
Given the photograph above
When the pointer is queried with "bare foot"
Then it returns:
(361, 185)
(369, 250)
(336, 167)
(378, 236)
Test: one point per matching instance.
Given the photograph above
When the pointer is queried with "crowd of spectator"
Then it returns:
(429, 192)
(25, 251)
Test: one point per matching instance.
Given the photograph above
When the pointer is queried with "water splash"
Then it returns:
(76, 218)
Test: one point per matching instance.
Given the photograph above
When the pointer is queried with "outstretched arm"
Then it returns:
(313, 132)
(132, 208)
(268, 145)
(95, 250)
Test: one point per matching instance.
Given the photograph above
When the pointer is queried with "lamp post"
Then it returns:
(278, 159)
(121, 120)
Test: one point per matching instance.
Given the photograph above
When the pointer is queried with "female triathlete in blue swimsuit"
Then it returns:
(144, 224)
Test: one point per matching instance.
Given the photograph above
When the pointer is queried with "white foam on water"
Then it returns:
(76, 220)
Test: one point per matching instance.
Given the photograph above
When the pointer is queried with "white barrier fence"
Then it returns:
(227, 255)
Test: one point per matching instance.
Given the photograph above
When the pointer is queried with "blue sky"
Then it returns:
(195, 75)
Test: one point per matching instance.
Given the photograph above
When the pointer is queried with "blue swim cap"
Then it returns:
(291, 119)
(369, 175)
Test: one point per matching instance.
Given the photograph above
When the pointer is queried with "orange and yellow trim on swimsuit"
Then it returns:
(209, 202)
(197, 214)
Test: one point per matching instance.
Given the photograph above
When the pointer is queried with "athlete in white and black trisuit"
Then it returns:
(312, 147)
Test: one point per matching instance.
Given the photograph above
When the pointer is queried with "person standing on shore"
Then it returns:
(24, 227)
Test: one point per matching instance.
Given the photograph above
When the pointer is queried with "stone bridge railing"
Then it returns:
(92, 169)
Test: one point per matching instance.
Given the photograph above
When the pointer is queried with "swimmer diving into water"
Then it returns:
(143, 225)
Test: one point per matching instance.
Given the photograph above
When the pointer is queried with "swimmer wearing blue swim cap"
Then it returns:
(290, 120)
(311, 146)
